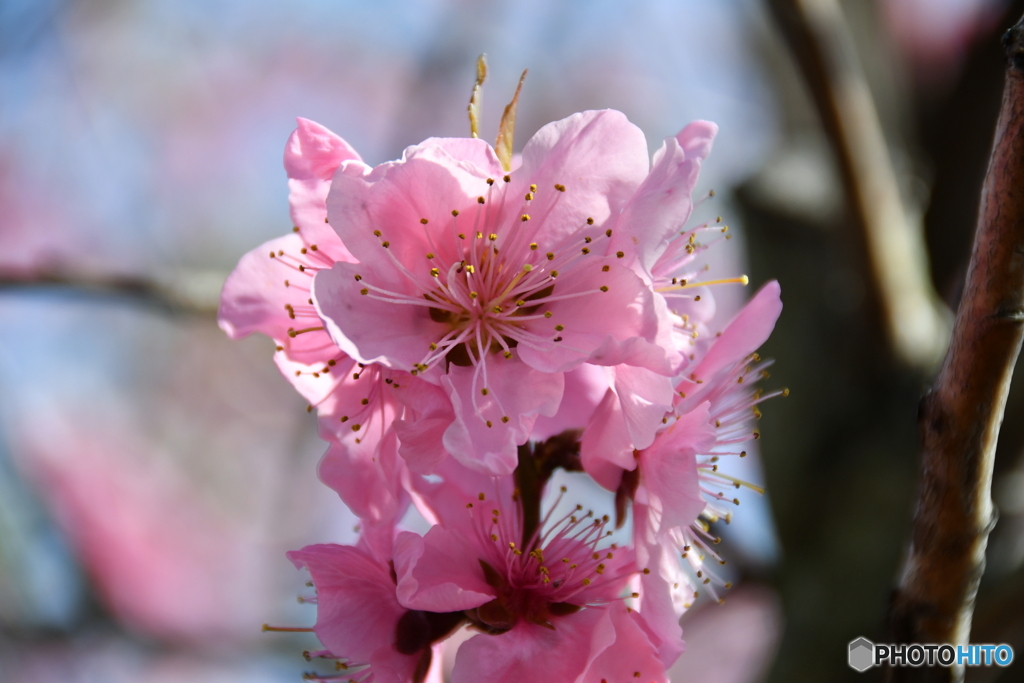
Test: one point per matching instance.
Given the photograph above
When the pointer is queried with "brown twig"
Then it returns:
(915, 320)
(960, 418)
(188, 294)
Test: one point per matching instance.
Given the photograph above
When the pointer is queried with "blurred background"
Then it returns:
(152, 473)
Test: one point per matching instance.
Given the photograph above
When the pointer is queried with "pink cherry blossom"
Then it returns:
(492, 285)
(269, 292)
(675, 478)
(549, 605)
(368, 635)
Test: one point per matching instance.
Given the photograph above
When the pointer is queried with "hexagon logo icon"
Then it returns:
(862, 654)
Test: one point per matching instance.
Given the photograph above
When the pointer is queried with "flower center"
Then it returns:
(557, 576)
(490, 283)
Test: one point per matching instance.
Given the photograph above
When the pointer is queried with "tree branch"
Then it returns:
(189, 293)
(961, 417)
(915, 321)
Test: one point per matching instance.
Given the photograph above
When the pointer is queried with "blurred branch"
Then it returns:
(915, 320)
(188, 293)
(960, 419)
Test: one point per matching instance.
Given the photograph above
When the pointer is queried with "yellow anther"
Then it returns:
(683, 284)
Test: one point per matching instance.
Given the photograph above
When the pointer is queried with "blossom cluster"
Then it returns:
(463, 330)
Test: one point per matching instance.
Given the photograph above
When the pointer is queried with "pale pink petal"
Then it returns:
(747, 331)
(472, 151)
(696, 139)
(439, 572)
(585, 386)
(606, 449)
(311, 157)
(529, 652)
(620, 650)
(608, 326)
(395, 197)
(645, 397)
(254, 296)
(455, 485)
(357, 610)
(668, 469)
(598, 156)
(665, 591)
(495, 408)
(369, 481)
(356, 321)
(314, 152)
(662, 205)
(428, 413)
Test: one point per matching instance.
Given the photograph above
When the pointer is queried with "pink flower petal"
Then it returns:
(585, 386)
(455, 485)
(472, 151)
(662, 205)
(428, 413)
(645, 397)
(394, 198)
(669, 467)
(606, 449)
(439, 572)
(369, 481)
(606, 326)
(354, 320)
(598, 156)
(357, 610)
(529, 652)
(489, 427)
(254, 295)
(311, 157)
(620, 650)
(747, 331)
